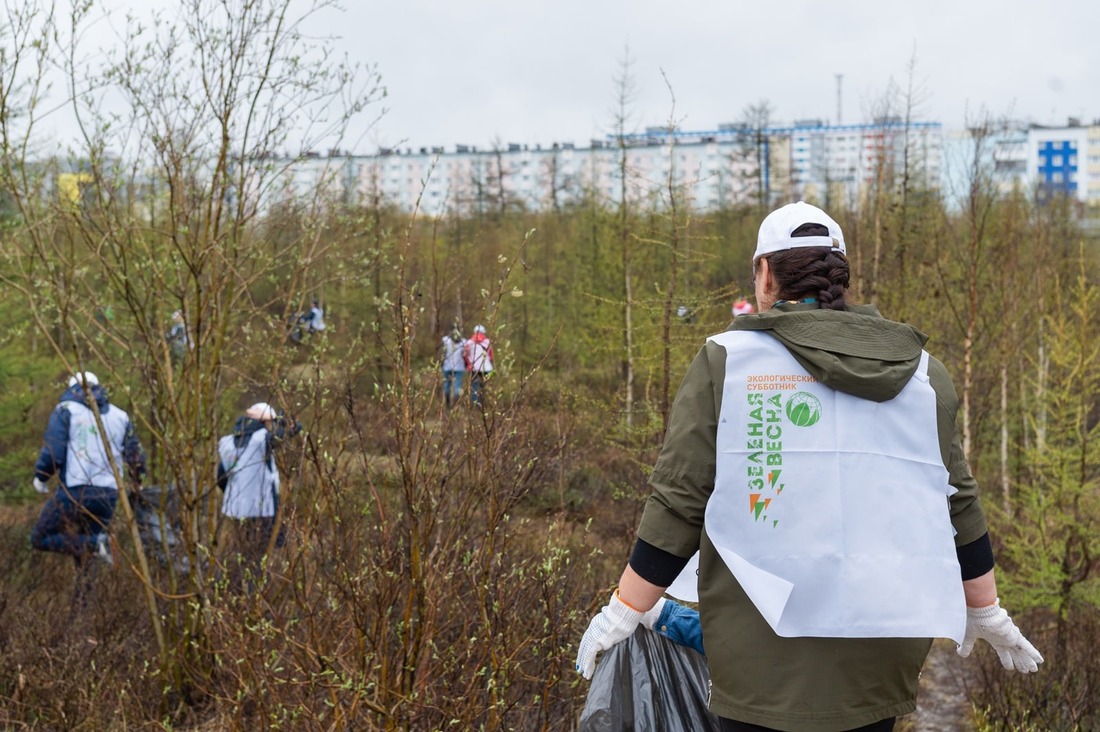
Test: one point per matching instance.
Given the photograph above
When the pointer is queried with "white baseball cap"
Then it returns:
(83, 378)
(261, 411)
(775, 230)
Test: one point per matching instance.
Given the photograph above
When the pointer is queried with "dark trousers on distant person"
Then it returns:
(251, 538)
(71, 523)
(477, 386)
(452, 386)
(72, 520)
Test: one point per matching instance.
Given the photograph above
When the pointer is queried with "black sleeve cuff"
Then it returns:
(656, 565)
(975, 558)
(661, 568)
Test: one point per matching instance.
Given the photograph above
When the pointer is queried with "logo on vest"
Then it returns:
(803, 409)
(764, 441)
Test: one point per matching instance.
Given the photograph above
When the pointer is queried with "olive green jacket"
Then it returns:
(804, 684)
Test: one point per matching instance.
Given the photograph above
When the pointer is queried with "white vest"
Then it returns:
(478, 353)
(453, 359)
(253, 485)
(832, 511)
(86, 461)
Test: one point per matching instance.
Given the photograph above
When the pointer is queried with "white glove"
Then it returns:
(40, 486)
(994, 626)
(615, 622)
(650, 617)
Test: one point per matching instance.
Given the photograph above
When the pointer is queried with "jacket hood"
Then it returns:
(243, 429)
(75, 393)
(855, 351)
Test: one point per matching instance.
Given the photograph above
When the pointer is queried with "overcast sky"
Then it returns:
(531, 71)
(479, 70)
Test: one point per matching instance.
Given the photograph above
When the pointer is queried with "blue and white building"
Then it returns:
(707, 169)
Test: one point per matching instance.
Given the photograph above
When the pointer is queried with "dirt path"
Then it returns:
(942, 704)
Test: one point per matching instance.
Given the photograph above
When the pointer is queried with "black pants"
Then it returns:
(730, 725)
(70, 523)
(72, 520)
(251, 537)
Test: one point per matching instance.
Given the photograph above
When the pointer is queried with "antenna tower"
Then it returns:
(839, 79)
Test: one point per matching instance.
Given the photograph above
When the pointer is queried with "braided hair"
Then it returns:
(811, 271)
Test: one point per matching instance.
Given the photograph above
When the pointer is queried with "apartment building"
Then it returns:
(1038, 160)
(707, 169)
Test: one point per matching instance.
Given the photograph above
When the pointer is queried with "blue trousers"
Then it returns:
(477, 385)
(72, 519)
(452, 386)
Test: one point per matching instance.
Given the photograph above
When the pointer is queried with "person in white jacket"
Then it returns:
(453, 352)
(87, 466)
(479, 362)
(249, 479)
(179, 342)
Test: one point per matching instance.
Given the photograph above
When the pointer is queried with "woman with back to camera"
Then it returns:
(453, 363)
(813, 461)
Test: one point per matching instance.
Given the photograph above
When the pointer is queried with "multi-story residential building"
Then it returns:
(1055, 156)
(996, 153)
(708, 169)
(847, 160)
(1038, 160)
(1092, 165)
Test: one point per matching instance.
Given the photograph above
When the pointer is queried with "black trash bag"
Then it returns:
(651, 684)
(156, 510)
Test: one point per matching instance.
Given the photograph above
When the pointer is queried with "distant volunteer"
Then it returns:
(453, 363)
(813, 462)
(179, 343)
(83, 454)
(316, 318)
(479, 362)
(249, 479)
(742, 306)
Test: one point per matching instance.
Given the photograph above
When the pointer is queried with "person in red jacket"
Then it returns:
(742, 307)
(479, 361)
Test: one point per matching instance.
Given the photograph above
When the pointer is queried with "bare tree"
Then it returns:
(621, 120)
(678, 225)
(499, 172)
(756, 119)
(174, 180)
